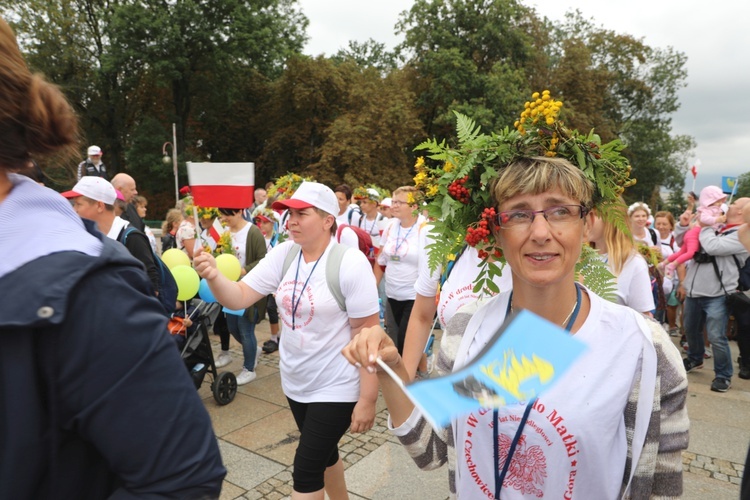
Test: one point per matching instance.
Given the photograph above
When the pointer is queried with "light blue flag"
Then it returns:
(522, 360)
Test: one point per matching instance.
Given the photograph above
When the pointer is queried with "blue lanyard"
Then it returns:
(295, 304)
(500, 476)
(399, 243)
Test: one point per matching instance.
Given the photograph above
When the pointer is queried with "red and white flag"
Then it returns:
(223, 185)
(216, 230)
(694, 169)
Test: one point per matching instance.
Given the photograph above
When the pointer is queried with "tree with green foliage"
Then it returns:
(132, 68)
(628, 90)
(369, 54)
(468, 55)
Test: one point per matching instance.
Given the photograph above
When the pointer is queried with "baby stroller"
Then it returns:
(199, 358)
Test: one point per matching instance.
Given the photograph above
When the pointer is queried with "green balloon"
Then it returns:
(187, 281)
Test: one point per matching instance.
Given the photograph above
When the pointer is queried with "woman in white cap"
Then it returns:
(325, 294)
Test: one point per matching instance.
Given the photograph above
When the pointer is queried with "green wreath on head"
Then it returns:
(455, 184)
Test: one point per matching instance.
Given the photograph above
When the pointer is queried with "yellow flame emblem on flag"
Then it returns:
(512, 372)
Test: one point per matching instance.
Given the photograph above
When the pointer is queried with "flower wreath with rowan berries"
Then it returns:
(457, 180)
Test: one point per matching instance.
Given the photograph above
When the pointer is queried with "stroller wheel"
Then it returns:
(225, 388)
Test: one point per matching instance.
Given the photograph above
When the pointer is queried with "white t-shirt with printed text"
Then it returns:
(574, 443)
(400, 253)
(457, 291)
(312, 366)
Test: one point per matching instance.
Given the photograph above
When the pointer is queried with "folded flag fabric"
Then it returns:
(223, 185)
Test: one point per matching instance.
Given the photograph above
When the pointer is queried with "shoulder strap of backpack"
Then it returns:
(333, 273)
(654, 238)
(124, 234)
(289, 259)
(449, 267)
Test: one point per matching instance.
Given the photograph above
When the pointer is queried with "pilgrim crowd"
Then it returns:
(104, 406)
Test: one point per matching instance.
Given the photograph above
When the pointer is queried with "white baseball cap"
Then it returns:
(94, 151)
(386, 202)
(95, 188)
(311, 194)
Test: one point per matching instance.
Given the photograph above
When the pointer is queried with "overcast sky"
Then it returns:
(715, 105)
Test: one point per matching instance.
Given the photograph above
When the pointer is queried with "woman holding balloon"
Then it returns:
(326, 394)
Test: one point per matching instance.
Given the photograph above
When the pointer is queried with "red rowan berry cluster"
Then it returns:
(478, 233)
(458, 191)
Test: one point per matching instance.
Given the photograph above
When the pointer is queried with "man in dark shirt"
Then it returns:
(93, 164)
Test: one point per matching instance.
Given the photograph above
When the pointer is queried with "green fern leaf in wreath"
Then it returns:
(593, 272)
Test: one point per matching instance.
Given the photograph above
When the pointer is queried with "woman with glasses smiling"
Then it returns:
(614, 420)
(398, 260)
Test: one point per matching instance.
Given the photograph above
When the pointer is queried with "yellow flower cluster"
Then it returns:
(420, 179)
(410, 199)
(432, 190)
(540, 106)
(448, 167)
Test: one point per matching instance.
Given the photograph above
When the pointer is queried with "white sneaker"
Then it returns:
(223, 359)
(245, 377)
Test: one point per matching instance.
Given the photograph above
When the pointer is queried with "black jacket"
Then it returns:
(131, 215)
(87, 167)
(96, 400)
(139, 247)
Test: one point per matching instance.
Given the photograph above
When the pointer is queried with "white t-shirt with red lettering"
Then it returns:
(573, 444)
(312, 366)
(456, 292)
(400, 253)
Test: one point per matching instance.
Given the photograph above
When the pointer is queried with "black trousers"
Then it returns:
(401, 311)
(321, 426)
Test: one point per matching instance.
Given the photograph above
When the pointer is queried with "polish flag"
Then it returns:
(223, 185)
(216, 230)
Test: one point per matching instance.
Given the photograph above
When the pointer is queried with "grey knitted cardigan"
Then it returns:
(658, 473)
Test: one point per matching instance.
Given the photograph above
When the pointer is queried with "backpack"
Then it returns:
(364, 240)
(168, 241)
(333, 270)
(167, 284)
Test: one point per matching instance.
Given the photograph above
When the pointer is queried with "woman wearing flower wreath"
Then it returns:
(639, 213)
(325, 393)
(578, 440)
(398, 260)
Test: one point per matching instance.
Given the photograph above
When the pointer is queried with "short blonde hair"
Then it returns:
(539, 174)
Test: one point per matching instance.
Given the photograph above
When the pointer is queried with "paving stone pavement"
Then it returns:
(257, 436)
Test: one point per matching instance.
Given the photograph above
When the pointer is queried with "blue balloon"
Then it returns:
(236, 312)
(205, 293)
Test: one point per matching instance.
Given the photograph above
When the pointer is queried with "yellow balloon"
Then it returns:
(174, 257)
(187, 281)
(229, 266)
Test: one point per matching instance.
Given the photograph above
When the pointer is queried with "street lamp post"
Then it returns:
(167, 160)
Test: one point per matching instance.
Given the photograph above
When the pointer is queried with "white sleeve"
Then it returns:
(349, 238)
(639, 296)
(358, 285)
(427, 282)
(266, 276)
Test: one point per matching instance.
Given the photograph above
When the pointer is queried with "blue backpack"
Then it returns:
(167, 284)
